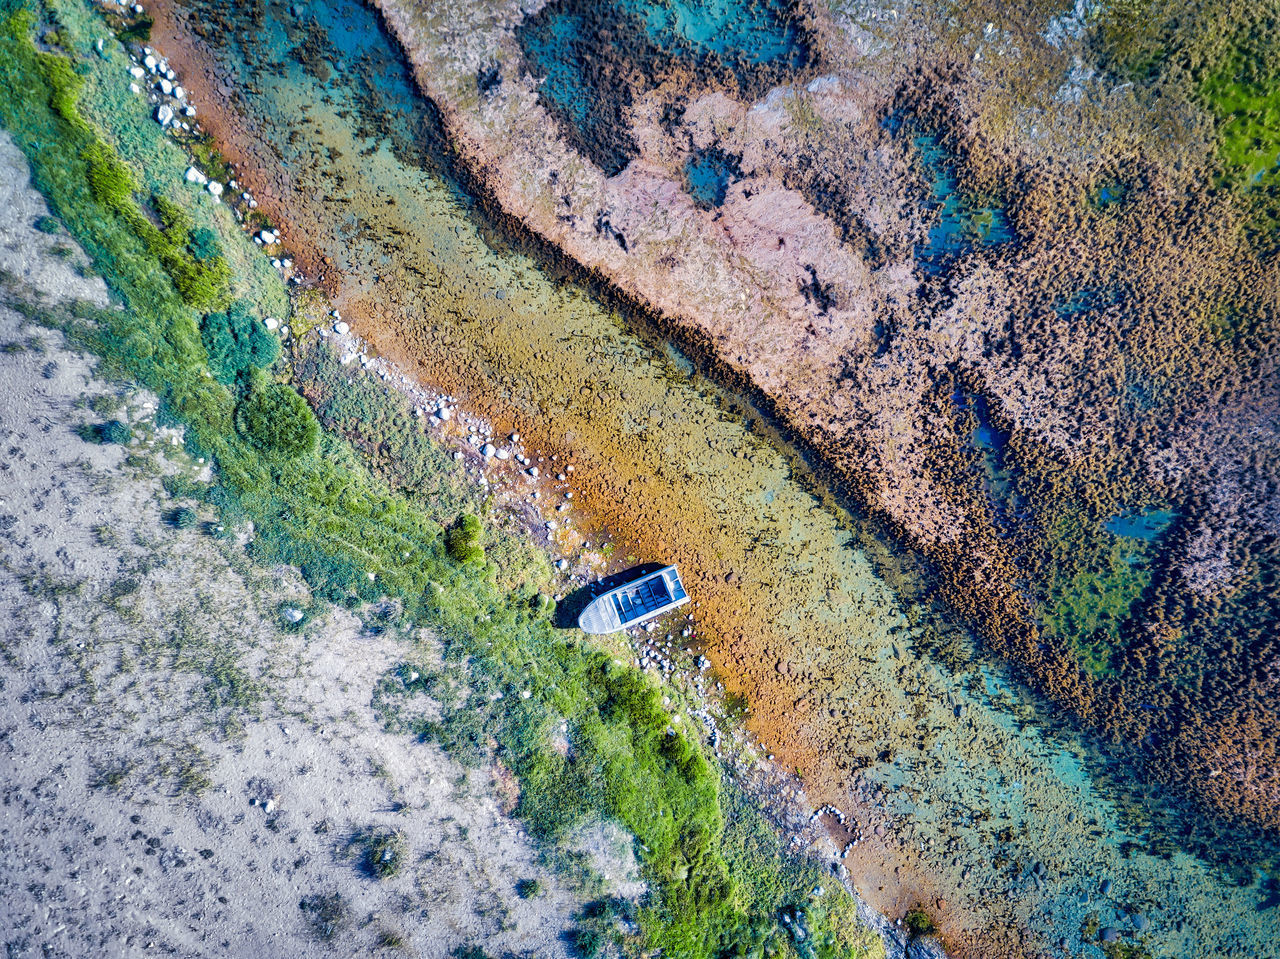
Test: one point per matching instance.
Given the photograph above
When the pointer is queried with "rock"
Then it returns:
(164, 114)
(502, 454)
(342, 328)
(179, 92)
(444, 413)
(166, 87)
(215, 188)
(1141, 923)
(489, 450)
(293, 614)
(1104, 887)
(1109, 934)
(269, 807)
(149, 62)
(137, 72)
(271, 322)
(195, 176)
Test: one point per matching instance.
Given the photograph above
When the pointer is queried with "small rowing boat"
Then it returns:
(635, 602)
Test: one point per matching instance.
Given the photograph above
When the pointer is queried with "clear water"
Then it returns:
(708, 174)
(978, 783)
(757, 31)
(962, 225)
(1148, 526)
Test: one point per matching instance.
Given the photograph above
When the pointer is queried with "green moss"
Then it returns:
(918, 922)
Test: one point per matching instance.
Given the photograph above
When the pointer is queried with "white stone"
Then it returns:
(489, 450)
(445, 413)
(215, 188)
(149, 62)
(179, 92)
(164, 114)
(166, 87)
(272, 322)
(503, 455)
(137, 72)
(195, 176)
(135, 88)
(341, 328)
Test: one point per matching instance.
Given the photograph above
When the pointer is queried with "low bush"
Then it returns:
(278, 421)
(48, 224)
(463, 540)
(327, 914)
(236, 342)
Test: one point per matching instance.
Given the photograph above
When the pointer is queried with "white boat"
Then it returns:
(635, 602)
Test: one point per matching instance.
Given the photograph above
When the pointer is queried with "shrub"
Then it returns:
(529, 888)
(326, 914)
(184, 517)
(383, 852)
(463, 541)
(278, 421)
(114, 431)
(236, 342)
(47, 224)
(111, 432)
(918, 922)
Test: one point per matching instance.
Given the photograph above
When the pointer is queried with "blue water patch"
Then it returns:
(1147, 526)
(707, 175)
(754, 31)
(593, 55)
(991, 444)
(963, 224)
(1109, 193)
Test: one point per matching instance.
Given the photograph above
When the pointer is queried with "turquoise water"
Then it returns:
(756, 31)
(979, 784)
(589, 54)
(1148, 526)
(963, 224)
(708, 174)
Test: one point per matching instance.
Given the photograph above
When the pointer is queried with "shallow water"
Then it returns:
(799, 601)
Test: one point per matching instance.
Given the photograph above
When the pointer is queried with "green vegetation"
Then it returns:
(184, 517)
(529, 888)
(113, 431)
(718, 879)
(463, 541)
(48, 224)
(1094, 585)
(236, 342)
(918, 922)
(382, 852)
(278, 421)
